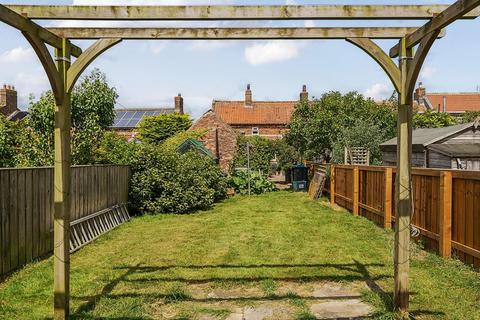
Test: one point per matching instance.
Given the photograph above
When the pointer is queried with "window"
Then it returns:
(255, 131)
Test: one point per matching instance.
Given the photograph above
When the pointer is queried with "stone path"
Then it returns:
(318, 300)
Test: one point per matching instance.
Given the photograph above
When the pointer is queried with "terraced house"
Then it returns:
(268, 119)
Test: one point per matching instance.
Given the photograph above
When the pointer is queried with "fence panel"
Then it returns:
(344, 186)
(372, 194)
(27, 207)
(466, 217)
(446, 205)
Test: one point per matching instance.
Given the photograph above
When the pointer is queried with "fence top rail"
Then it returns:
(73, 167)
(434, 172)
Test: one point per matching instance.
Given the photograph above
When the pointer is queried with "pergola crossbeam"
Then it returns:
(251, 12)
(23, 24)
(452, 13)
(232, 33)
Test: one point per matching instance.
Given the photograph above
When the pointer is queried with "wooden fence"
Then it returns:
(26, 207)
(446, 204)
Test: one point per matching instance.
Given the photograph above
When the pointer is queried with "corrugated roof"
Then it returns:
(455, 102)
(261, 112)
(428, 136)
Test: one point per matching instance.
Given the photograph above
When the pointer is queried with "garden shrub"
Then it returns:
(261, 152)
(156, 129)
(259, 183)
(165, 181)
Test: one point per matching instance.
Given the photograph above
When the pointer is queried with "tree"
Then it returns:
(156, 129)
(470, 116)
(93, 101)
(261, 152)
(433, 119)
(320, 128)
(8, 142)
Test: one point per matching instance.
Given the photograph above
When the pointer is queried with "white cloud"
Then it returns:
(379, 91)
(309, 24)
(158, 47)
(17, 55)
(272, 51)
(427, 72)
(291, 3)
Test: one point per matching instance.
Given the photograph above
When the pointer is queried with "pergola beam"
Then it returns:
(251, 12)
(454, 12)
(23, 24)
(232, 33)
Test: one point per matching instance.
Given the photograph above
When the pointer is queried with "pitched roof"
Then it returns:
(130, 118)
(455, 102)
(261, 112)
(425, 137)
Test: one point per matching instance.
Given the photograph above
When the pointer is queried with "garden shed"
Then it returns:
(456, 147)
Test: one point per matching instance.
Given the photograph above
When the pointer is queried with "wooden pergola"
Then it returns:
(62, 73)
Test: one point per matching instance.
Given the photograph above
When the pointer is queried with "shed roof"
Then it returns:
(426, 137)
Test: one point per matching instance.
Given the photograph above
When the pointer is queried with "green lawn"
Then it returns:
(262, 248)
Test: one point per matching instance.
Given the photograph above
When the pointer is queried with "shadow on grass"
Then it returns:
(359, 273)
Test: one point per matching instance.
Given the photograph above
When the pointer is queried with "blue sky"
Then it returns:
(150, 73)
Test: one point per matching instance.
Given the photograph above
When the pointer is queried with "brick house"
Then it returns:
(126, 120)
(268, 119)
(455, 103)
(220, 139)
(9, 104)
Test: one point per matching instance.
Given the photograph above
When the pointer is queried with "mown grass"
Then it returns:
(150, 266)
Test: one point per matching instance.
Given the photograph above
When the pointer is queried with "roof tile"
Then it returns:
(261, 112)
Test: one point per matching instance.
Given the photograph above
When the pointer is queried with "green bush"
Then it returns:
(114, 149)
(165, 181)
(261, 152)
(258, 182)
(156, 129)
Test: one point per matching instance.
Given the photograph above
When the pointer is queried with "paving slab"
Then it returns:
(343, 309)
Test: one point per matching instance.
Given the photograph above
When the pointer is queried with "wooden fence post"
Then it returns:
(332, 185)
(355, 191)
(445, 245)
(387, 210)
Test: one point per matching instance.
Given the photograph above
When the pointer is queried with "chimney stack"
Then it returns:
(179, 104)
(248, 97)
(8, 100)
(304, 94)
(420, 93)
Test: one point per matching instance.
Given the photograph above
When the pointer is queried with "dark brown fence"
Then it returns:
(26, 207)
(446, 204)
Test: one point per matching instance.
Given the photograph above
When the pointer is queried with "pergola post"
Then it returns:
(62, 189)
(403, 194)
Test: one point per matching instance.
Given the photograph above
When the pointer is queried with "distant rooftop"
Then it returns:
(131, 117)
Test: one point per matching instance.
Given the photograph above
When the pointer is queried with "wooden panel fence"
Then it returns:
(446, 204)
(26, 207)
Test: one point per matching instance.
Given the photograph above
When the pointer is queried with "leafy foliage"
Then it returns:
(261, 152)
(433, 119)
(168, 182)
(8, 142)
(92, 106)
(156, 129)
(285, 154)
(470, 116)
(114, 149)
(258, 182)
(172, 143)
(322, 128)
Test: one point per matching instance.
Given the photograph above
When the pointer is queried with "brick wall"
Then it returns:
(266, 131)
(221, 139)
